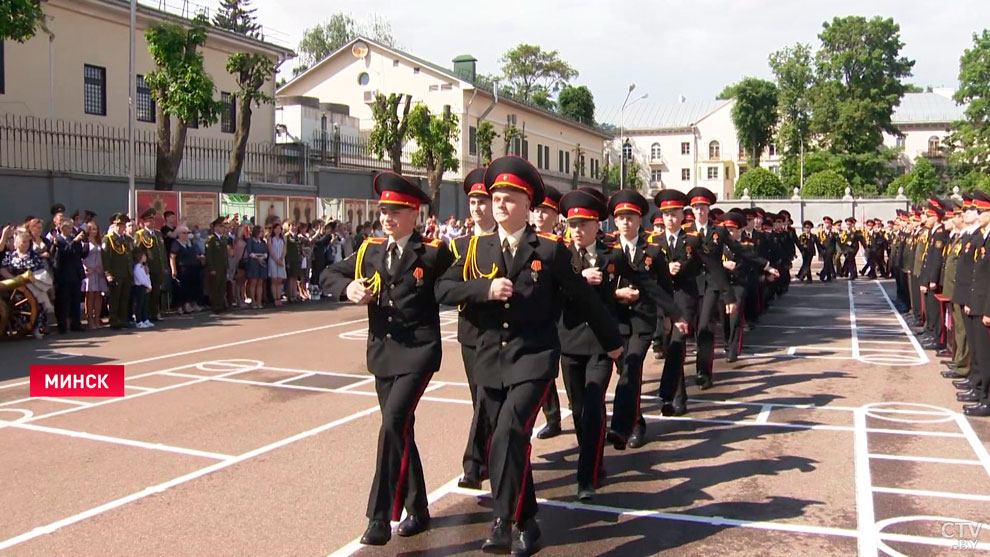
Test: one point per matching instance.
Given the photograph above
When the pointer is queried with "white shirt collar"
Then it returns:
(512, 237)
(400, 242)
(628, 244)
(478, 231)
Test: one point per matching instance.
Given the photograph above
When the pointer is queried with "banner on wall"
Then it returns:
(357, 211)
(302, 209)
(267, 207)
(198, 209)
(240, 204)
(160, 201)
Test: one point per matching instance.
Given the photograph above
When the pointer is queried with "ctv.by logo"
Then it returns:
(965, 534)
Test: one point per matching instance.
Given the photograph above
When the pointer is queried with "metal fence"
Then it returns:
(341, 151)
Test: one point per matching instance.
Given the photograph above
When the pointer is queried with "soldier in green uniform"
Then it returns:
(216, 266)
(119, 267)
(154, 244)
(952, 249)
(920, 247)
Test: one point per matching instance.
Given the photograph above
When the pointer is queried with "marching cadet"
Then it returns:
(118, 263)
(978, 311)
(585, 364)
(876, 246)
(827, 243)
(515, 278)
(480, 208)
(931, 270)
(961, 366)
(216, 265)
(688, 255)
(545, 217)
(660, 335)
(154, 245)
(739, 264)
(849, 241)
(806, 245)
(395, 278)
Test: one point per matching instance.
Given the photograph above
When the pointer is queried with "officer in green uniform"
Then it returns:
(153, 243)
(118, 263)
(920, 247)
(952, 251)
(216, 266)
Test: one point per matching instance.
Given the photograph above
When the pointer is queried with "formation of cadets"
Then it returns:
(938, 257)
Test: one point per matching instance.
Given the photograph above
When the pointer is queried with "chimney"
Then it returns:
(464, 67)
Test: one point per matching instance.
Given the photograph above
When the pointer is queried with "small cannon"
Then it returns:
(18, 307)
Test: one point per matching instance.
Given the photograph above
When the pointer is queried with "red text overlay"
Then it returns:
(79, 381)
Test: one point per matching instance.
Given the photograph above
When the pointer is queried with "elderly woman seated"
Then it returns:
(24, 258)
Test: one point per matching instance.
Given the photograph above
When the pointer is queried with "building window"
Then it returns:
(713, 173)
(582, 165)
(567, 161)
(594, 168)
(472, 140)
(685, 148)
(193, 122)
(742, 151)
(772, 150)
(525, 149)
(228, 113)
(446, 87)
(363, 79)
(95, 90)
(560, 160)
(685, 174)
(934, 147)
(899, 141)
(655, 176)
(395, 63)
(434, 87)
(655, 152)
(143, 103)
(775, 169)
(415, 70)
(627, 151)
(714, 151)
(2, 81)
(539, 156)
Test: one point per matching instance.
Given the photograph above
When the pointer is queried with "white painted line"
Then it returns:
(821, 427)
(65, 400)
(855, 349)
(138, 388)
(294, 378)
(354, 385)
(924, 493)
(922, 356)
(866, 518)
(792, 351)
(764, 414)
(125, 379)
(117, 440)
(974, 442)
(953, 543)
(13, 402)
(52, 527)
(930, 459)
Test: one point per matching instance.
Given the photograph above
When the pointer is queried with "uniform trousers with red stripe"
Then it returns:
(626, 412)
(476, 452)
(736, 324)
(512, 411)
(587, 378)
(399, 481)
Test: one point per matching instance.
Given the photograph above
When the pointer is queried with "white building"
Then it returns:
(924, 119)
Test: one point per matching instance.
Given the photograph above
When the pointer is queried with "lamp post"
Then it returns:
(622, 143)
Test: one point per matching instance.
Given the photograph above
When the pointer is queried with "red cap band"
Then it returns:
(628, 207)
(671, 204)
(512, 181)
(550, 204)
(582, 213)
(700, 200)
(980, 204)
(478, 189)
(395, 198)
(730, 224)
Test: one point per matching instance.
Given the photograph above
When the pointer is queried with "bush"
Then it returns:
(901, 181)
(761, 183)
(827, 184)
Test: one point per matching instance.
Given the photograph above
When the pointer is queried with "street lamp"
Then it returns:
(622, 143)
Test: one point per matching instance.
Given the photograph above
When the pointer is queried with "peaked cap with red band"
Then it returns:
(582, 205)
(981, 200)
(552, 199)
(936, 208)
(688, 215)
(517, 174)
(474, 183)
(733, 219)
(701, 196)
(393, 189)
(628, 201)
(669, 200)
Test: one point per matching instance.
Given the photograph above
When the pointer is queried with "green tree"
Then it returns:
(238, 17)
(434, 136)
(825, 184)
(795, 77)
(542, 98)
(389, 132)
(485, 135)
(321, 40)
(728, 92)
(924, 181)
(510, 133)
(577, 103)
(634, 175)
(969, 142)
(895, 185)
(20, 19)
(527, 67)
(761, 183)
(912, 88)
(181, 89)
(755, 115)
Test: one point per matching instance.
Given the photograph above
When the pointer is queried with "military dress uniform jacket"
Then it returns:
(827, 242)
(467, 315)
(696, 258)
(640, 317)
(747, 262)
(716, 239)
(117, 258)
(404, 318)
(216, 254)
(920, 247)
(576, 336)
(154, 244)
(970, 246)
(807, 245)
(517, 338)
(979, 299)
(931, 269)
(951, 253)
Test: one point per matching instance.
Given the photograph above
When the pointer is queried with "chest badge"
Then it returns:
(418, 275)
(535, 267)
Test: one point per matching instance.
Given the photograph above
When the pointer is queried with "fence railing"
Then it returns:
(342, 151)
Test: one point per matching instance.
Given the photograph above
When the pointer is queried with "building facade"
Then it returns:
(355, 73)
(924, 119)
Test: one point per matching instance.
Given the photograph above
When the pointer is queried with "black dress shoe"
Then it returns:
(952, 374)
(414, 524)
(499, 540)
(930, 346)
(378, 533)
(969, 396)
(965, 384)
(636, 440)
(468, 482)
(680, 409)
(525, 536)
(667, 409)
(944, 353)
(704, 382)
(549, 431)
(731, 358)
(617, 440)
(982, 409)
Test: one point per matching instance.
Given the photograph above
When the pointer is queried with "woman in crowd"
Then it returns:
(293, 262)
(256, 267)
(306, 238)
(39, 244)
(94, 280)
(238, 264)
(24, 258)
(276, 262)
(187, 271)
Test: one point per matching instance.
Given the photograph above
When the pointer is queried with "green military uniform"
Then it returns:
(952, 251)
(158, 267)
(216, 269)
(118, 263)
(917, 262)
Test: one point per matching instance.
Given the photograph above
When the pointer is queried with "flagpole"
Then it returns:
(131, 93)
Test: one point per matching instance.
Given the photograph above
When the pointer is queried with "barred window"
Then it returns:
(229, 113)
(2, 84)
(144, 104)
(95, 90)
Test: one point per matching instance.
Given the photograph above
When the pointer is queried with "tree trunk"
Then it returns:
(178, 147)
(162, 151)
(395, 153)
(435, 178)
(395, 150)
(233, 176)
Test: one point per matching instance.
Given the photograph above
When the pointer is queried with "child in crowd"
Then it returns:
(140, 290)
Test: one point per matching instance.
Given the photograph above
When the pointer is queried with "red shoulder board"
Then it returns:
(434, 243)
(549, 236)
(612, 245)
(373, 240)
(692, 233)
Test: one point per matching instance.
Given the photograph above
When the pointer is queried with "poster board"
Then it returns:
(198, 209)
(160, 201)
(240, 204)
(302, 209)
(268, 206)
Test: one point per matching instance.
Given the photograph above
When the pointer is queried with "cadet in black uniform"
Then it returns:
(545, 218)
(966, 260)
(480, 208)
(585, 364)
(931, 272)
(394, 277)
(807, 246)
(516, 278)
(978, 309)
(827, 241)
(739, 264)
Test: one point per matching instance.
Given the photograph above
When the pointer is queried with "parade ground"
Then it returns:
(254, 433)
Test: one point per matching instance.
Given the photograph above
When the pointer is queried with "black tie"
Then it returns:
(629, 253)
(506, 252)
(672, 240)
(392, 258)
(585, 258)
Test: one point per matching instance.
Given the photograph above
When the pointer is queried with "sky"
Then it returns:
(666, 48)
